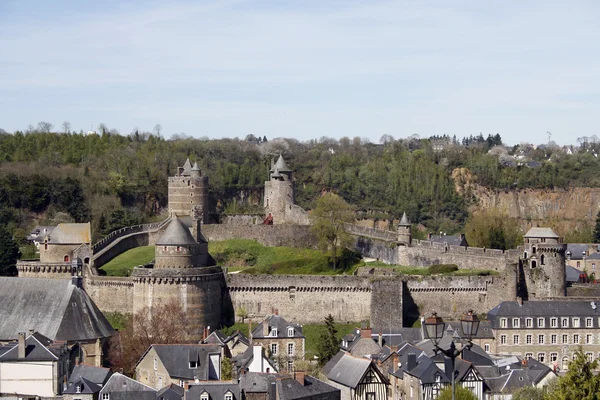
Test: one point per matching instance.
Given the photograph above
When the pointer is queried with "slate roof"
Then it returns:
(427, 371)
(215, 337)
(594, 256)
(70, 234)
(404, 220)
(364, 347)
(572, 274)
(40, 232)
(239, 336)
(507, 377)
(348, 370)
(56, 308)
(120, 387)
(550, 308)
(216, 390)
(276, 321)
(176, 359)
(537, 232)
(170, 392)
(290, 389)
(176, 234)
(243, 360)
(280, 165)
(91, 373)
(450, 240)
(577, 250)
(85, 387)
(187, 167)
(37, 348)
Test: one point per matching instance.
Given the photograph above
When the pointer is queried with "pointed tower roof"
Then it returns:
(196, 167)
(187, 167)
(176, 234)
(404, 220)
(276, 174)
(281, 165)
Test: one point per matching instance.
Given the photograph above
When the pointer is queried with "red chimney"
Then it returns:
(366, 333)
(299, 377)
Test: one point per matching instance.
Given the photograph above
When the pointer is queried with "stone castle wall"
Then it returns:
(267, 235)
(110, 294)
(242, 219)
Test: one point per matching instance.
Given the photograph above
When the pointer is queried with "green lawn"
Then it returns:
(404, 270)
(123, 264)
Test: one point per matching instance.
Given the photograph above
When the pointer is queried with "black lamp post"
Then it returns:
(434, 331)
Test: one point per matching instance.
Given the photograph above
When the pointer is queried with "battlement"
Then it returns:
(551, 248)
(30, 268)
(442, 247)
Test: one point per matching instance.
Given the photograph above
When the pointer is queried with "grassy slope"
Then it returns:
(402, 269)
(123, 264)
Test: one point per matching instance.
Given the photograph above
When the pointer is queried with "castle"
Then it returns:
(184, 271)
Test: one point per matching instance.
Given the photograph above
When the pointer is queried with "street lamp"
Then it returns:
(434, 331)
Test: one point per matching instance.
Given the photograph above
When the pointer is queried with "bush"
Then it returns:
(443, 268)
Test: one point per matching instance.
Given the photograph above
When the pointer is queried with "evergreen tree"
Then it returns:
(580, 382)
(9, 253)
(328, 344)
(529, 393)
(596, 237)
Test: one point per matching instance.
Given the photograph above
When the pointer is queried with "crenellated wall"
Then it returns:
(267, 235)
(110, 294)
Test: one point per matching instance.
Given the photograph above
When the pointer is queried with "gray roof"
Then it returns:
(176, 234)
(364, 347)
(280, 165)
(290, 389)
(195, 167)
(85, 387)
(572, 274)
(170, 392)
(216, 337)
(243, 360)
(278, 322)
(37, 348)
(56, 308)
(427, 371)
(404, 220)
(577, 250)
(450, 240)
(94, 374)
(176, 359)
(71, 234)
(537, 232)
(216, 390)
(348, 370)
(594, 256)
(120, 387)
(187, 167)
(550, 308)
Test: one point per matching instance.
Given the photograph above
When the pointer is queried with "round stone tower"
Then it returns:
(279, 191)
(404, 232)
(188, 188)
(182, 272)
(543, 264)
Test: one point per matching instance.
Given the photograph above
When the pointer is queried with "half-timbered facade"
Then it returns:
(357, 378)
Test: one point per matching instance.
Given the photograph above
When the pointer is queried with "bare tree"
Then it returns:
(45, 127)
(66, 127)
(157, 129)
(30, 129)
(102, 128)
(386, 139)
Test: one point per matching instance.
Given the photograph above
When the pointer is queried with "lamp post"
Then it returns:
(434, 331)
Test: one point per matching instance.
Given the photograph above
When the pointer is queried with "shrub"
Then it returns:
(443, 268)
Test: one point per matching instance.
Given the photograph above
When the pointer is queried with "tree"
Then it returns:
(328, 343)
(45, 127)
(102, 128)
(329, 217)
(493, 229)
(580, 382)
(157, 129)
(66, 127)
(461, 393)
(167, 324)
(9, 253)
(529, 393)
(242, 313)
(596, 235)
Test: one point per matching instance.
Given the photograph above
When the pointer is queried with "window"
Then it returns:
(502, 339)
(554, 322)
(565, 339)
(589, 357)
(165, 248)
(553, 357)
(290, 332)
(290, 349)
(564, 322)
(486, 347)
(575, 322)
(228, 396)
(193, 364)
(274, 349)
(529, 339)
(589, 322)
(160, 382)
(578, 264)
(576, 339)
(529, 322)
(178, 248)
(516, 322)
(589, 339)
(155, 364)
(542, 259)
(541, 322)
(290, 366)
(541, 357)
(515, 339)
(541, 339)
(204, 396)
(593, 266)
(528, 356)
(370, 396)
(502, 322)
(78, 389)
(274, 332)
(554, 339)
(105, 396)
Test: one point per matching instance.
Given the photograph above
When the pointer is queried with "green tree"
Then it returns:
(9, 253)
(579, 383)
(328, 344)
(461, 393)
(329, 217)
(226, 369)
(596, 234)
(493, 229)
(529, 393)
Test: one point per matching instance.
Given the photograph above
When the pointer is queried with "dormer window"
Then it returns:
(274, 332)
(78, 389)
(193, 364)
(290, 331)
(204, 396)
(228, 396)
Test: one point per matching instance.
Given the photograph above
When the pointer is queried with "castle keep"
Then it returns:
(280, 196)
(188, 188)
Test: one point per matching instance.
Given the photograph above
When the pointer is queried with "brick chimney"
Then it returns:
(366, 333)
(395, 361)
(299, 377)
(265, 327)
(21, 345)
(186, 386)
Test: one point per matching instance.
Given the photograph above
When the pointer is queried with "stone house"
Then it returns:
(548, 331)
(120, 387)
(506, 376)
(253, 359)
(357, 378)
(85, 382)
(61, 243)
(164, 364)
(34, 366)
(237, 343)
(283, 341)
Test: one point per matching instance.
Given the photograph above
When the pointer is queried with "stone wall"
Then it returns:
(267, 235)
(378, 249)
(186, 192)
(110, 294)
(242, 219)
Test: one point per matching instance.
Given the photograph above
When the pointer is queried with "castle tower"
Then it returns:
(188, 188)
(543, 264)
(404, 231)
(182, 273)
(280, 196)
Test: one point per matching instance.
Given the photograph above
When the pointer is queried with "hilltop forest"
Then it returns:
(114, 180)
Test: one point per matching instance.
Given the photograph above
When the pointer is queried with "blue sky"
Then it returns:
(305, 69)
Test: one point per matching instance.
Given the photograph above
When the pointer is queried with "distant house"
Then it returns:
(163, 364)
(34, 365)
(237, 343)
(283, 340)
(449, 240)
(509, 375)
(38, 234)
(357, 378)
(120, 387)
(62, 243)
(361, 343)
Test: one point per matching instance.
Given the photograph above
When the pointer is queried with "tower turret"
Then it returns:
(543, 264)
(404, 230)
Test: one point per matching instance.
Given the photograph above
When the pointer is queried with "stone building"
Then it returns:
(182, 272)
(280, 196)
(188, 188)
(282, 339)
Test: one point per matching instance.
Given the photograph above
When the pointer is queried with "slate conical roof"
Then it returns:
(195, 167)
(404, 220)
(281, 165)
(187, 167)
(176, 234)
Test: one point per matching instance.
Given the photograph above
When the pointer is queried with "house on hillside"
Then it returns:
(449, 240)
(357, 378)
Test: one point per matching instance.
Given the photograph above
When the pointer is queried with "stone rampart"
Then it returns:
(584, 290)
(36, 269)
(110, 294)
(365, 231)
(119, 233)
(381, 250)
(267, 235)
(242, 219)
(424, 253)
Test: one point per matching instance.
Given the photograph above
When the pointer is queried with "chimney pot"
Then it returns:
(380, 339)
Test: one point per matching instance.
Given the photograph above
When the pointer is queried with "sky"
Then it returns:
(304, 69)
